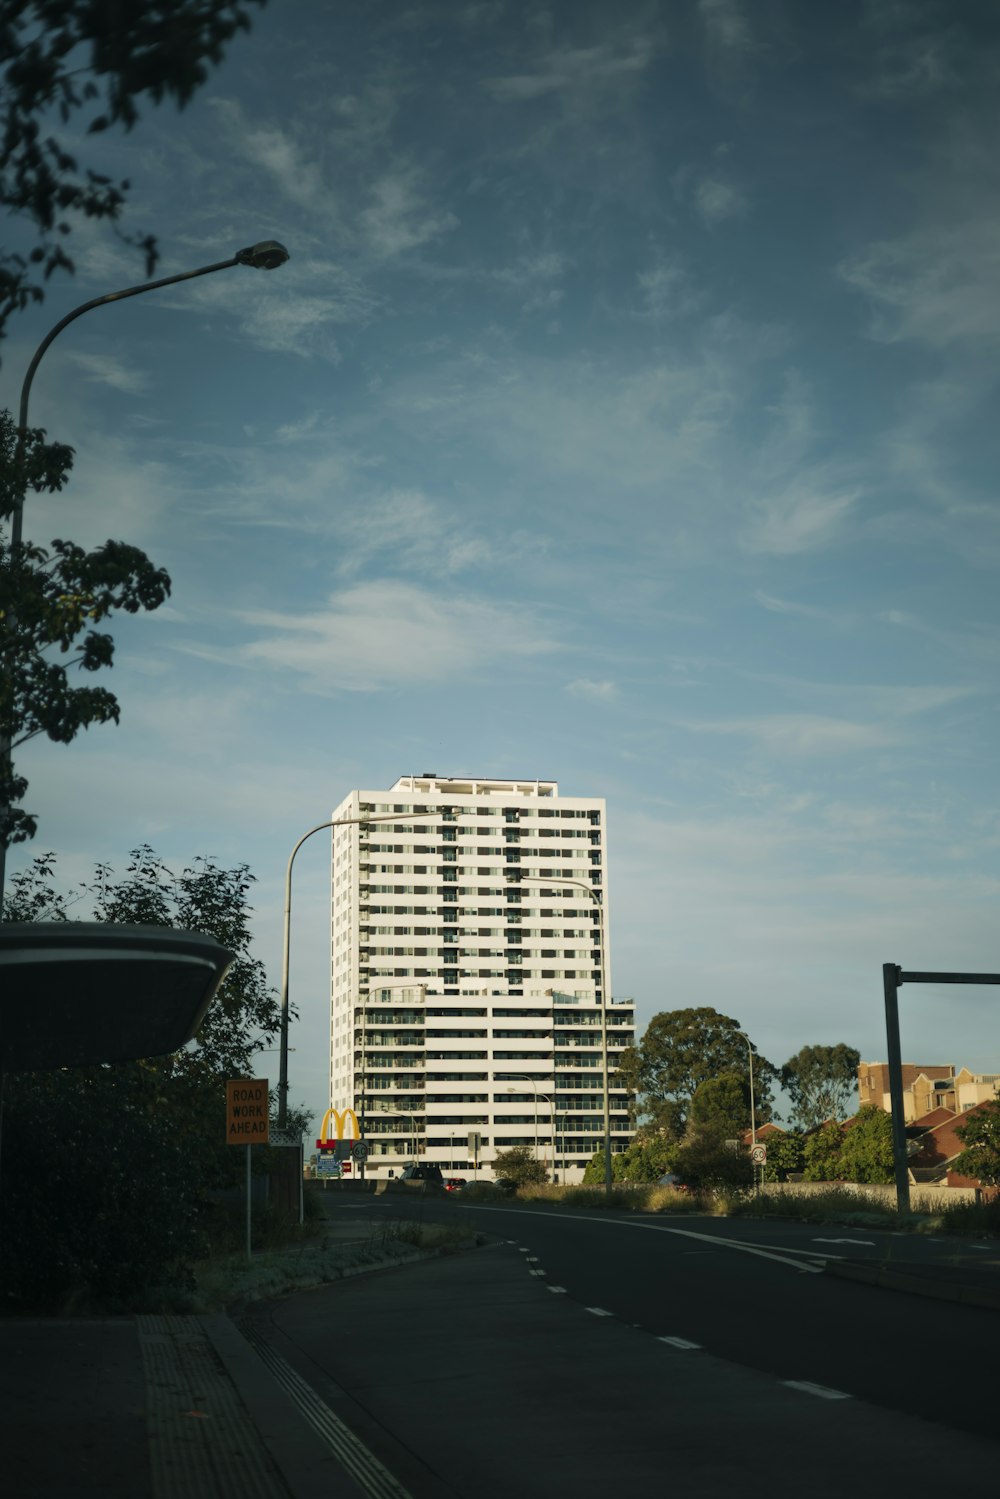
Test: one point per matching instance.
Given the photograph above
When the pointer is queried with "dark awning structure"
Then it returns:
(73, 992)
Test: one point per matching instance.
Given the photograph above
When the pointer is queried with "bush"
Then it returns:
(518, 1167)
(836, 1205)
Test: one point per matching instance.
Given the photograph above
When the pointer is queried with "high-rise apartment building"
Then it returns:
(469, 973)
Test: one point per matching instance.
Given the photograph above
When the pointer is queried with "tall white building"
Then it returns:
(467, 971)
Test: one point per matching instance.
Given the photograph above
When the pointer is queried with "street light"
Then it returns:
(266, 255)
(595, 896)
(552, 1110)
(341, 822)
(753, 1111)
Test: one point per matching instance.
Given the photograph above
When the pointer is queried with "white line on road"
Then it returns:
(558, 1290)
(869, 1242)
(536, 1272)
(784, 1257)
(598, 1311)
(679, 1342)
(532, 1259)
(823, 1391)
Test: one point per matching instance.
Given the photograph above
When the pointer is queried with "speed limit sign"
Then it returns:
(360, 1151)
(759, 1155)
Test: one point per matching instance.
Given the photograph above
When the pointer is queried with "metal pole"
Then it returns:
(753, 1110)
(604, 1044)
(249, 1249)
(266, 255)
(595, 896)
(891, 979)
(341, 822)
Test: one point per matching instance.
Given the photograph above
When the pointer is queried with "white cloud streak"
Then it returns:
(386, 633)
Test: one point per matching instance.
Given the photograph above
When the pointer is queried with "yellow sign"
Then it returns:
(339, 1124)
(247, 1117)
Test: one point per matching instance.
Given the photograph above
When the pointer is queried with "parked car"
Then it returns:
(455, 1183)
(422, 1174)
(671, 1179)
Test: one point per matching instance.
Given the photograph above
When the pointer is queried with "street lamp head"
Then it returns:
(265, 256)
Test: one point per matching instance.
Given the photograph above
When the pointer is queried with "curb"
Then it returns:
(914, 1284)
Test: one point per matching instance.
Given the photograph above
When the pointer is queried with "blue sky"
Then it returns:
(625, 416)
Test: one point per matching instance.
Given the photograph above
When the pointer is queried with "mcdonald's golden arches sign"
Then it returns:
(340, 1121)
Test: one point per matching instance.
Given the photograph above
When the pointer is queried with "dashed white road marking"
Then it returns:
(536, 1272)
(532, 1259)
(599, 1311)
(823, 1391)
(870, 1243)
(785, 1257)
(679, 1342)
(558, 1290)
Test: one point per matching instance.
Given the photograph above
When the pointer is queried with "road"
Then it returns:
(752, 1292)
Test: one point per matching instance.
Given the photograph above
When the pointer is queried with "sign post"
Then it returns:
(758, 1155)
(247, 1123)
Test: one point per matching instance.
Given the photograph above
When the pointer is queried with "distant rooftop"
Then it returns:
(429, 781)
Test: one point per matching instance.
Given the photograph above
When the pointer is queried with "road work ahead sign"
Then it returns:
(246, 1112)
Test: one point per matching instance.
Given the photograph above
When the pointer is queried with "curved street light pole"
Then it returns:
(753, 1111)
(266, 255)
(341, 822)
(526, 1077)
(595, 896)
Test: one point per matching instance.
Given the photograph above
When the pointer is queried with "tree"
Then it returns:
(785, 1156)
(721, 1106)
(50, 602)
(109, 1170)
(706, 1159)
(979, 1132)
(647, 1157)
(820, 1081)
(866, 1150)
(88, 63)
(519, 1167)
(821, 1153)
(682, 1049)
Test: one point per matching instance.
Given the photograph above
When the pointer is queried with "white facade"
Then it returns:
(467, 971)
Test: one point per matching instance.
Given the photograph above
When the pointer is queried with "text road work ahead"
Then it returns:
(247, 1112)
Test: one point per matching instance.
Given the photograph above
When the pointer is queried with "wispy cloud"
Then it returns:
(276, 153)
(667, 290)
(399, 216)
(718, 199)
(725, 25)
(776, 605)
(801, 733)
(939, 285)
(110, 369)
(597, 692)
(578, 68)
(909, 57)
(387, 633)
(799, 518)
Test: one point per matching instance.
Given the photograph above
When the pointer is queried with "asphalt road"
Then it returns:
(752, 1293)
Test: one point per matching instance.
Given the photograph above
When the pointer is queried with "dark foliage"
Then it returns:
(88, 64)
